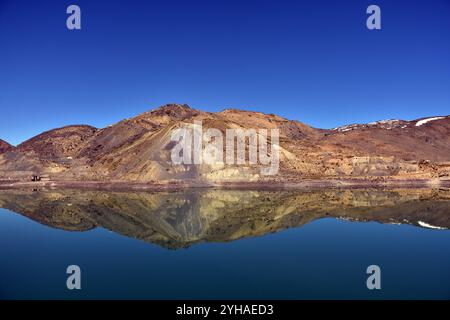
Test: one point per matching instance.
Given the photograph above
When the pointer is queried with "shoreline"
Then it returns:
(238, 185)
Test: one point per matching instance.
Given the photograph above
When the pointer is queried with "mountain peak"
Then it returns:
(5, 146)
(172, 108)
(169, 112)
(139, 149)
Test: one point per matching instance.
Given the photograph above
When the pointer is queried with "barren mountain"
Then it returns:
(58, 143)
(5, 146)
(139, 150)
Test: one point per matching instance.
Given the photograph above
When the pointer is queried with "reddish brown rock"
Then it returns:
(138, 150)
(5, 146)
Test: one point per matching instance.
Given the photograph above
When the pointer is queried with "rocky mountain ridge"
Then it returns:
(138, 150)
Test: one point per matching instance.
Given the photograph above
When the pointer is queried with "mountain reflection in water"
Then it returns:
(180, 219)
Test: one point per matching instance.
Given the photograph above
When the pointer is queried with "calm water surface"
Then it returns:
(225, 244)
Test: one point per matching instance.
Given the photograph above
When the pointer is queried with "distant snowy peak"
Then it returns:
(387, 124)
(347, 127)
(382, 124)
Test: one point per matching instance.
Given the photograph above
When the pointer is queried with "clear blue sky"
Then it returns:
(314, 61)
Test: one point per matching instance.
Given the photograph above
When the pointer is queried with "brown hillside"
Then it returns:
(139, 149)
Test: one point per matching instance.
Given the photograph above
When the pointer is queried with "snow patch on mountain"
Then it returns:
(382, 124)
(423, 121)
(389, 121)
(347, 127)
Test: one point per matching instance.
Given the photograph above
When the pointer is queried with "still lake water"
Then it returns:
(216, 244)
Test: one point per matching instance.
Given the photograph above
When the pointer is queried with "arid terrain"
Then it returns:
(137, 151)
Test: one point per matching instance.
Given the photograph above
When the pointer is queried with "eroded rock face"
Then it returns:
(5, 146)
(180, 219)
(56, 144)
(139, 150)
